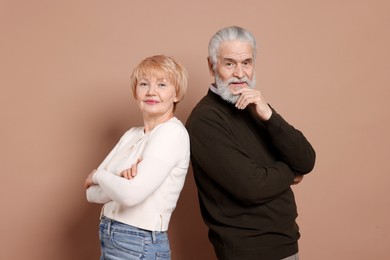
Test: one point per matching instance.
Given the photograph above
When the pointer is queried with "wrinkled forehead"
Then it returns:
(235, 50)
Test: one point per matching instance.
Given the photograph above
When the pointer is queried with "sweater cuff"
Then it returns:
(275, 120)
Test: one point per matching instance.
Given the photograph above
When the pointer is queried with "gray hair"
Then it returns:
(231, 33)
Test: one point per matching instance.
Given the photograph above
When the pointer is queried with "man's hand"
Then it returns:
(88, 181)
(131, 172)
(249, 96)
(297, 179)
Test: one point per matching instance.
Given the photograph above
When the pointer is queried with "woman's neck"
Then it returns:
(151, 122)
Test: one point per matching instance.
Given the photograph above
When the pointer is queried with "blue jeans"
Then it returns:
(120, 241)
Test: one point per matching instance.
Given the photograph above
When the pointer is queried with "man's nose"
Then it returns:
(238, 71)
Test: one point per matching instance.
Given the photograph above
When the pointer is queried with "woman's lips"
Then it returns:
(151, 102)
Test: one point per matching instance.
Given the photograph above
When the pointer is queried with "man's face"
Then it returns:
(234, 68)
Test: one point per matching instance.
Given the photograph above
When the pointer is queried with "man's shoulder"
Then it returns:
(208, 114)
(207, 107)
(211, 101)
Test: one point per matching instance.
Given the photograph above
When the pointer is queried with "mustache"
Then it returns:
(242, 80)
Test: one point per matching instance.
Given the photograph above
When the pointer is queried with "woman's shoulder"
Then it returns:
(171, 127)
(174, 122)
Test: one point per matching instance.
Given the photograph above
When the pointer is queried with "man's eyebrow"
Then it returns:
(235, 61)
(229, 59)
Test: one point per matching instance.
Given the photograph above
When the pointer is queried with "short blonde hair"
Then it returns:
(161, 65)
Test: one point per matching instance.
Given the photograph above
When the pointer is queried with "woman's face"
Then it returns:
(156, 96)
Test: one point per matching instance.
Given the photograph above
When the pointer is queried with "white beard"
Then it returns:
(226, 93)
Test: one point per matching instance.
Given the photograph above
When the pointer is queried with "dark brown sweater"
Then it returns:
(243, 168)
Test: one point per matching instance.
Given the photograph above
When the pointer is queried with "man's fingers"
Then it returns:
(245, 100)
(297, 179)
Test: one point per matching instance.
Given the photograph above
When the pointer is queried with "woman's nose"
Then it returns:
(151, 90)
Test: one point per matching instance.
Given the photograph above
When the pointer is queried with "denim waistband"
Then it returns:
(111, 224)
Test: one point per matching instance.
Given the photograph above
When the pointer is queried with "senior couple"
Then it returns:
(244, 156)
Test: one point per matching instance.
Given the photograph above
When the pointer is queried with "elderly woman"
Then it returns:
(140, 180)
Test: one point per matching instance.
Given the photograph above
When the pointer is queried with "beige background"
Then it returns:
(65, 101)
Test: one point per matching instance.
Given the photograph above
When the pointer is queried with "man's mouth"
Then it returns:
(238, 85)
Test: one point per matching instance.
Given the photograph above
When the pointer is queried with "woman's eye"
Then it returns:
(162, 85)
(142, 84)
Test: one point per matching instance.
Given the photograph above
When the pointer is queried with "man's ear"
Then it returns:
(211, 70)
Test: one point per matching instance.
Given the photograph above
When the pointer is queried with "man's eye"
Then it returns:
(229, 64)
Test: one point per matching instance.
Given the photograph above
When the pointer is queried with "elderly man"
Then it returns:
(245, 157)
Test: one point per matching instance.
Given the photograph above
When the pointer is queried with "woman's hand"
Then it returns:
(88, 181)
(131, 172)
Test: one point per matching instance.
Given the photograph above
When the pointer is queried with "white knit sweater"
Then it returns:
(148, 200)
